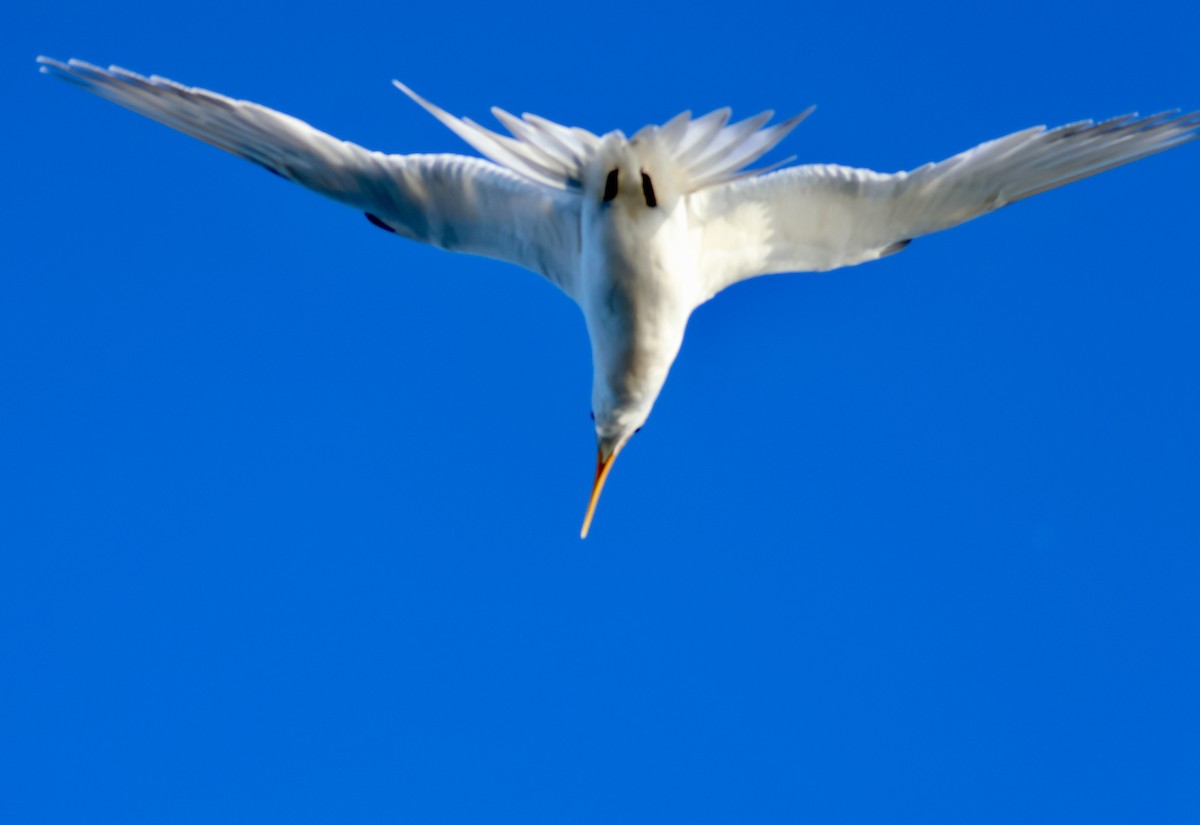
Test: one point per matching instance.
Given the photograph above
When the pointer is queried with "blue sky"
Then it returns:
(290, 506)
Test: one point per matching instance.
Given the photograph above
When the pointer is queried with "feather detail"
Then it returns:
(701, 133)
(707, 150)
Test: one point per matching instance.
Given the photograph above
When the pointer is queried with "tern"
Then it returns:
(640, 231)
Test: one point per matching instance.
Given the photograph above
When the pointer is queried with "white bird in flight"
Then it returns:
(640, 231)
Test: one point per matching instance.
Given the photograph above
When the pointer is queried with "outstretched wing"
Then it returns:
(451, 201)
(815, 218)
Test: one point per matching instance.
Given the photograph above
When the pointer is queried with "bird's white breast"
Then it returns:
(637, 288)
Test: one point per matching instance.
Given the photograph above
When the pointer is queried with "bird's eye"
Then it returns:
(648, 191)
(610, 186)
(638, 430)
(592, 416)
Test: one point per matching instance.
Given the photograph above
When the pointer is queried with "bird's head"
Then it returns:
(615, 425)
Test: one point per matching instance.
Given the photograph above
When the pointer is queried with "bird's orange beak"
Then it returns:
(603, 465)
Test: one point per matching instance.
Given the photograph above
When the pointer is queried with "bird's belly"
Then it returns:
(632, 268)
(632, 295)
(637, 296)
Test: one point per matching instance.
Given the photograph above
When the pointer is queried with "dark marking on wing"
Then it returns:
(893, 248)
(610, 186)
(379, 223)
(283, 171)
(648, 191)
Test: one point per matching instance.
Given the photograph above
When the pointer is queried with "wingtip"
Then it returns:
(411, 94)
(436, 111)
(46, 65)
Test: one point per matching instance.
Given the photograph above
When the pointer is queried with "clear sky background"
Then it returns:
(289, 507)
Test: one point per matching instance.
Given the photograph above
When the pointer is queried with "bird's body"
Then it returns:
(640, 231)
(636, 288)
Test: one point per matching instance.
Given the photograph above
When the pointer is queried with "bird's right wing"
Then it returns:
(458, 203)
(820, 217)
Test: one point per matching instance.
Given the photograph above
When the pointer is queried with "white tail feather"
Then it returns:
(708, 151)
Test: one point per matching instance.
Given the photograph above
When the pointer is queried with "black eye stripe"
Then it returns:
(648, 191)
(610, 186)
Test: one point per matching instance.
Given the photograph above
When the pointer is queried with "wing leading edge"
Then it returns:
(821, 217)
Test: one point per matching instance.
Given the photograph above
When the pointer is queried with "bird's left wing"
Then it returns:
(820, 217)
(451, 201)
